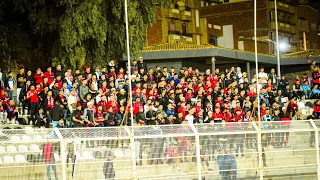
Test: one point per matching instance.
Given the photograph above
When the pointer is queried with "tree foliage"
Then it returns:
(72, 32)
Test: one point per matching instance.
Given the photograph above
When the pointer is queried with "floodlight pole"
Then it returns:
(277, 39)
(258, 91)
(133, 153)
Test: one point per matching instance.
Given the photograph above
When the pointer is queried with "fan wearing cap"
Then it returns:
(89, 115)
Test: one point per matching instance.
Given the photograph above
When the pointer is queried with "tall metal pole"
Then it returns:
(258, 91)
(133, 153)
(277, 38)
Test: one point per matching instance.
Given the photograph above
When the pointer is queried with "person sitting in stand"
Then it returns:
(12, 113)
(306, 89)
(217, 115)
(89, 115)
(77, 117)
(109, 119)
(297, 90)
(43, 118)
(315, 92)
(141, 117)
(98, 117)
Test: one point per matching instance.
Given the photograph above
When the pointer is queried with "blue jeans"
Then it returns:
(54, 124)
(10, 94)
(54, 169)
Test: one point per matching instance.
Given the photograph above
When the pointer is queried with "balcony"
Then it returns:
(186, 15)
(282, 7)
(174, 14)
(284, 27)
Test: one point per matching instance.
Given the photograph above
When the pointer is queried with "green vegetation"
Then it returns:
(71, 32)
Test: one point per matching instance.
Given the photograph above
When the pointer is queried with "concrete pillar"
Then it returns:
(248, 71)
(213, 65)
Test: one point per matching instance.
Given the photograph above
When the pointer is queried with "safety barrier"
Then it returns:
(280, 150)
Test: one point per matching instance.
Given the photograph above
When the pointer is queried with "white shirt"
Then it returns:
(71, 100)
(189, 118)
(263, 75)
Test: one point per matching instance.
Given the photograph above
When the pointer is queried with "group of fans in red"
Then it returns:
(99, 97)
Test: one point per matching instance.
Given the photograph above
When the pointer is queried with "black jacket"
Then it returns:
(56, 113)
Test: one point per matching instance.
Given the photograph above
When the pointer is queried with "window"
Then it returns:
(197, 18)
(271, 16)
(184, 29)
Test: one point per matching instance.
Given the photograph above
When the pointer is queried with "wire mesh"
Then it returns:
(35, 156)
(162, 152)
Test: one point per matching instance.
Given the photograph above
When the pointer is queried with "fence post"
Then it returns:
(197, 138)
(316, 138)
(259, 150)
(63, 154)
(133, 153)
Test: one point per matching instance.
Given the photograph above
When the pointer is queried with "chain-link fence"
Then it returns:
(277, 150)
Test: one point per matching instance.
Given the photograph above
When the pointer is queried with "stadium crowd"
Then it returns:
(160, 96)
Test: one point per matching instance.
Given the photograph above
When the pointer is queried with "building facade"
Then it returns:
(230, 24)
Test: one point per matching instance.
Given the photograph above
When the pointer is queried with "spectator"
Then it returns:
(108, 169)
(9, 84)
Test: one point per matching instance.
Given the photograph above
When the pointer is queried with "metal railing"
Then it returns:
(214, 151)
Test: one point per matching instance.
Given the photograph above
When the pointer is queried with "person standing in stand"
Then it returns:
(108, 169)
(32, 95)
(56, 114)
(49, 160)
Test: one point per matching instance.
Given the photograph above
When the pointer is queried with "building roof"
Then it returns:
(187, 51)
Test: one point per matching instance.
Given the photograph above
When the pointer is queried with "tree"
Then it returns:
(74, 32)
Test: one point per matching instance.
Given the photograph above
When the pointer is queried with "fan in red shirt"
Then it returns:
(113, 103)
(103, 103)
(182, 109)
(32, 95)
(189, 95)
(228, 115)
(136, 105)
(217, 115)
(316, 109)
(238, 117)
(49, 74)
(98, 116)
(38, 78)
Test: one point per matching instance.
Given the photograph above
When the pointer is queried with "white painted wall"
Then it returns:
(227, 39)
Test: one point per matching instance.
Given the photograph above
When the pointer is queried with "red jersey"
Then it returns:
(50, 76)
(238, 118)
(183, 110)
(228, 117)
(38, 78)
(98, 116)
(33, 96)
(316, 108)
(217, 117)
(136, 107)
(103, 104)
(47, 151)
(114, 105)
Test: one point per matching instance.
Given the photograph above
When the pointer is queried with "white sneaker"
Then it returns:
(30, 122)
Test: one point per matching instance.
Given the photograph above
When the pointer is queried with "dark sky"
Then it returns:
(315, 4)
